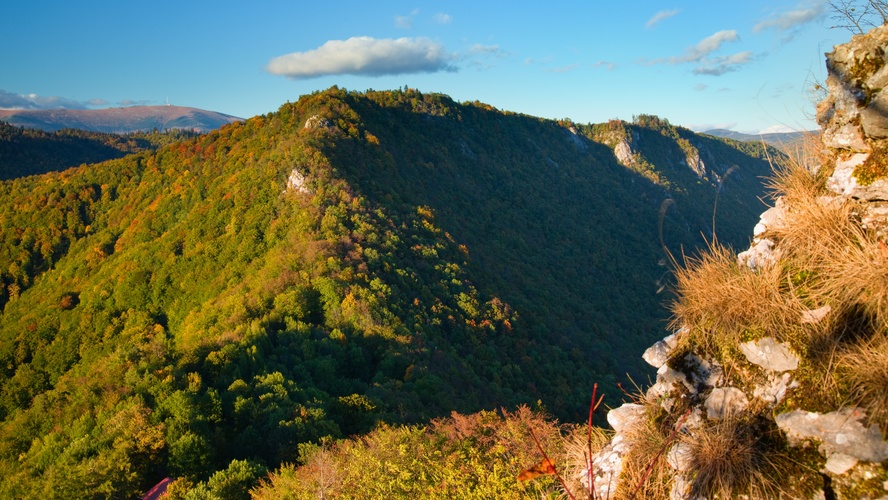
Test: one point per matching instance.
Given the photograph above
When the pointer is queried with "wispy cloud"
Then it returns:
(701, 55)
(703, 127)
(563, 69)
(777, 129)
(406, 22)
(131, 102)
(365, 56)
(707, 46)
(718, 66)
(700, 87)
(661, 16)
(792, 19)
(486, 49)
(10, 100)
(604, 64)
(442, 18)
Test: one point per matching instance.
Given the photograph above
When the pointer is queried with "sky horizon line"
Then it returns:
(750, 66)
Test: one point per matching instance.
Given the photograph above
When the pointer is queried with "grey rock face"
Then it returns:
(840, 431)
(724, 402)
(770, 355)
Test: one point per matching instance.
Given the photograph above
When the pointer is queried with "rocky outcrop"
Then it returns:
(756, 381)
(296, 182)
(854, 116)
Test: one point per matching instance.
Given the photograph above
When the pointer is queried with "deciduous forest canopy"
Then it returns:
(181, 311)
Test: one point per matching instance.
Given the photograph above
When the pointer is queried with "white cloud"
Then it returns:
(701, 55)
(703, 127)
(707, 46)
(700, 87)
(661, 16)
(718, 66)
(442, 18)
(604, 64)
(792, 19)
(9, 100)
(365, 56)
(777, 129)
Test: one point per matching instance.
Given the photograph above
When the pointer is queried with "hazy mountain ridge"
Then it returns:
(778, 139)
(444, 257)
(118, 120)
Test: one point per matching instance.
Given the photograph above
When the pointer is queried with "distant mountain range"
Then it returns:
(118, 120)
(782, 139)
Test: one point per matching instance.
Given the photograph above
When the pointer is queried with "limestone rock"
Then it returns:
(695, 163)
(814, 316)
(607, 467)
(657, 354)
(770, 354)
(847, 136)
(771, 218)
(760, 255)
(667, 378)
(576, 139)
(839, 463)
(702, 372)
(844, 183)
(623, 152)
(679, 457)
(775, 389)
(724, 402)
(875, 218)
(840, 431)
(874, 118)
(625, 416)
(296, 182)
(315, 121)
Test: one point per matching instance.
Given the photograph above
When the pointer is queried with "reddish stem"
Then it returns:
(662, 449)
(589, 474)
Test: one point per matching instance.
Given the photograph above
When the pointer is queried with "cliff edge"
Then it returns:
(774, 382)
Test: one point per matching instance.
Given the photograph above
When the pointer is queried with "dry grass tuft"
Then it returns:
(865, 367)
(803, 176)
(857, 275)
(731, 458)
(720, 300)
(576, 456)
(646, 457)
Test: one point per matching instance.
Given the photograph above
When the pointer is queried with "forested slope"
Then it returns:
(171, 311)
(25, 151)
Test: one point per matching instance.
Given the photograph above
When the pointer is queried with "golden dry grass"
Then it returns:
(826, 257)
(720, 301)
(730, 458)
(576, 456)
(646, 472)
(865, 367)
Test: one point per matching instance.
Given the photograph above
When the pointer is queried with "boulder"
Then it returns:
(770, 354)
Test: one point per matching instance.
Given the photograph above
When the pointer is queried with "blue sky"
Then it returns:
(747, 65)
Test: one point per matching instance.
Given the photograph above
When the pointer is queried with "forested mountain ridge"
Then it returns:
(171, 311)
(26, 151)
